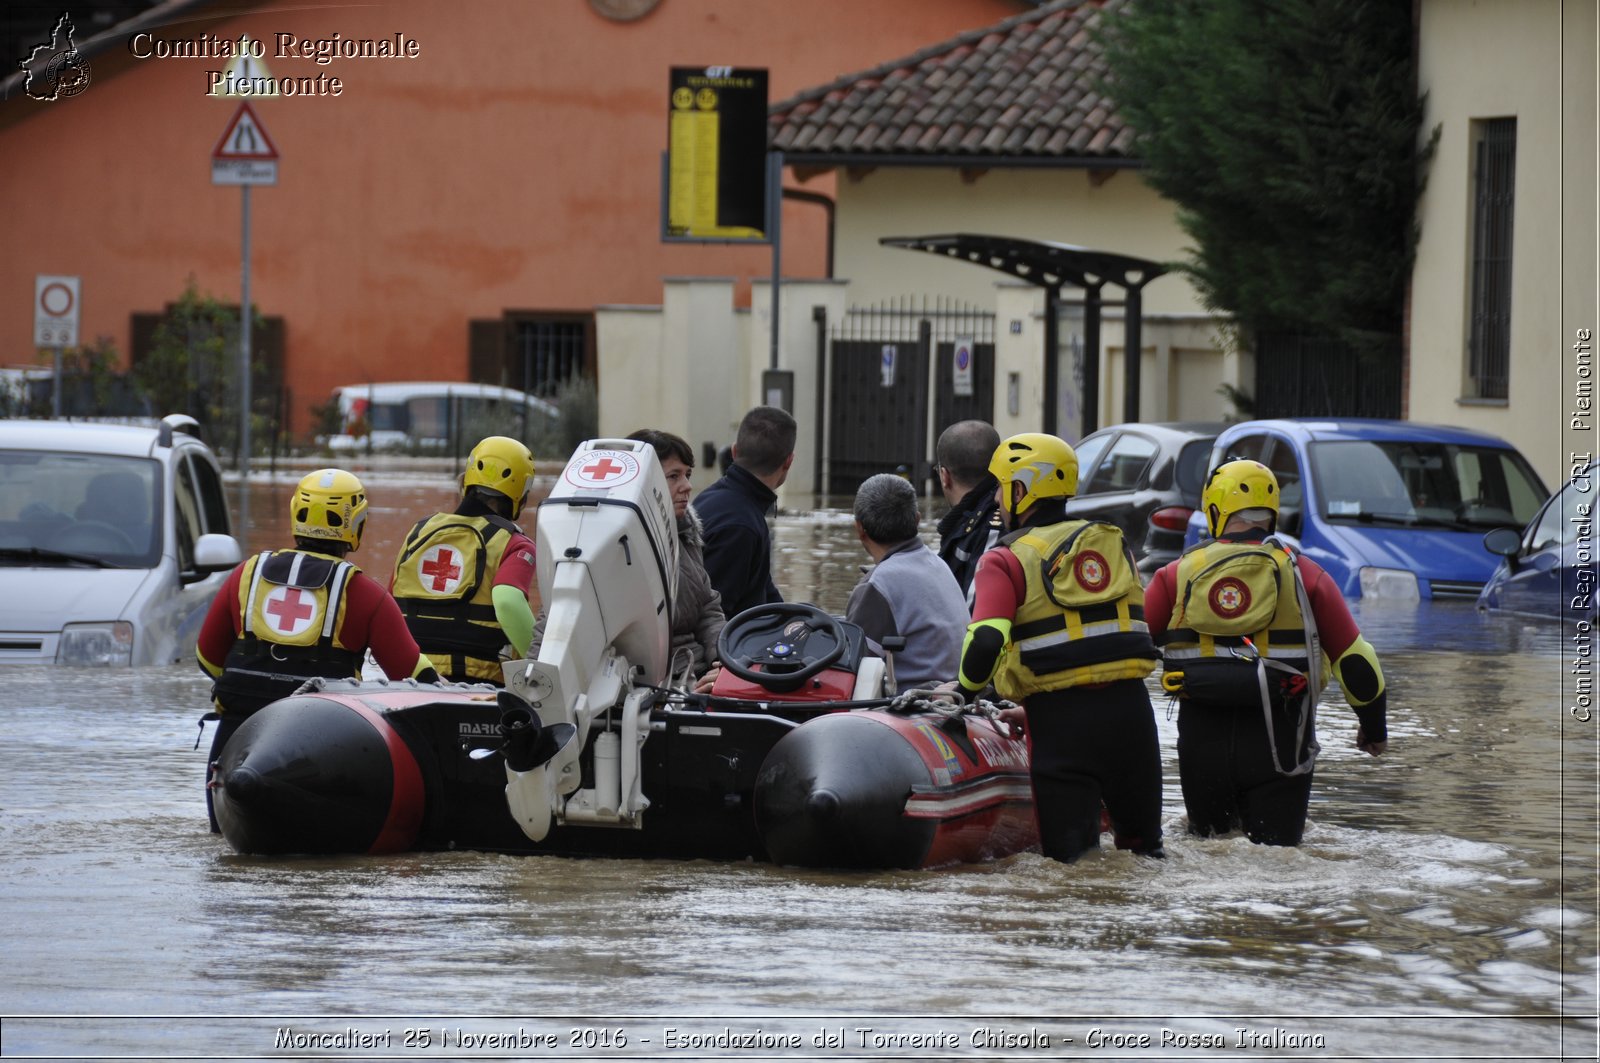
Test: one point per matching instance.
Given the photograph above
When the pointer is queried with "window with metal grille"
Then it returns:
(545, 354)
(1494, 151)
(532, 351)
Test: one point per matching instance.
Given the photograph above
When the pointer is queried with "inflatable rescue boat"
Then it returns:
(796, 756)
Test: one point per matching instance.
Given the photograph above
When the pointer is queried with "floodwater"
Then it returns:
(1443, 905)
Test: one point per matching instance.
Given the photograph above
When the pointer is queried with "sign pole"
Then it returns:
(775, 231)
(245, 323)
(55, 324)
(244, 156)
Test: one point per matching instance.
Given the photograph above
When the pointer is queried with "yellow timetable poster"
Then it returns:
(716, 154)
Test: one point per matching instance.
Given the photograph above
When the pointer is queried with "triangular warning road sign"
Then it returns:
(245, 138)
(245, 70)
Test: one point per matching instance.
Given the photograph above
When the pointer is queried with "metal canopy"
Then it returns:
(1051, 265)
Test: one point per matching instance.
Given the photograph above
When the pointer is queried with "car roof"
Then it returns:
(1184, 428)
(402, 390)
(79, 437)
(1316, 429)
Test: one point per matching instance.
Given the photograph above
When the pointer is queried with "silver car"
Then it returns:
(113, 541)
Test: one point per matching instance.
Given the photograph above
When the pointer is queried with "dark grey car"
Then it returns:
(1146, 479)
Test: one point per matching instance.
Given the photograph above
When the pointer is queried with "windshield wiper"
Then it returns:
(34, 553)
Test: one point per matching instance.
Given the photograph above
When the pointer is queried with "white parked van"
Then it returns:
(429, 414)
(113, 541)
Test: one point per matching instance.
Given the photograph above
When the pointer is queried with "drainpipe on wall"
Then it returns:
(826, 203)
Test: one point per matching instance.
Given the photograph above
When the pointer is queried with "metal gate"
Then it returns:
(884, 361)
(1307, 376)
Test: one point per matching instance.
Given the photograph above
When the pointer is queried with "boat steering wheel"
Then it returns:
(792, 641)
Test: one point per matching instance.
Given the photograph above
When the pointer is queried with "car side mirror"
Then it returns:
(213, 553)
(1507, 542)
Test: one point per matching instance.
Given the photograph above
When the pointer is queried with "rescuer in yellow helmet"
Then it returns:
(463, 579)
(1058, 625)
(285, 616)
(1245, 624)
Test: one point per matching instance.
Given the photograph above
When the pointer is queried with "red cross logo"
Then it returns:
(439, 565)
(603, 469)
(1092, 571)
(291, 609)
(1230, 597)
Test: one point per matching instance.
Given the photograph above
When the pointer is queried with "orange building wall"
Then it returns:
(514, 165)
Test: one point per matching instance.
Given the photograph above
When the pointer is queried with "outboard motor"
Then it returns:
(608, 576)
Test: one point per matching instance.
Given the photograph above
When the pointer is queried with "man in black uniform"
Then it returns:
(972, 526)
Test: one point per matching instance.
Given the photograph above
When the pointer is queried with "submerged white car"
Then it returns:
(113, 541)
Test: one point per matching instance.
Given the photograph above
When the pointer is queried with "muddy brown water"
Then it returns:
(1443, 904)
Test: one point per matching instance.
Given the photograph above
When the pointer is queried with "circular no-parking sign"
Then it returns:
(55, 311)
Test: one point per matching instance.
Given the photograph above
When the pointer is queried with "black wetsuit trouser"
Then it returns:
(1094, 745)
(1229, 780)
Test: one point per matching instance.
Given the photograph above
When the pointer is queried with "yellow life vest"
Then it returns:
(1082, 618)
(444, 584)
(1233, 602)
(291, 606)
(294, 598)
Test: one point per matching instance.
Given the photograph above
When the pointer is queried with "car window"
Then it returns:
(91, 505)
(1191, 471)
(1562, 519)
(1496, 482)
(1254, 447)
(1359, 479)
(1089, 451)
(1285, 465)
(187, 523)
(1424, 484)
(213, 499)
(388, 417)
(1123, 466)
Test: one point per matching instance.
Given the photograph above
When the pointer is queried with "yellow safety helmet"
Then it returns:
(1046, 465)
(329, 504)
(1235, 485)
(500, 464)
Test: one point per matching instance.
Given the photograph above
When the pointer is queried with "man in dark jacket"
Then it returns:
(733, 511)
(973, 524)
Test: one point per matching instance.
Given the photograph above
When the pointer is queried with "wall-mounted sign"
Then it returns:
(716, 181)
(961, 365)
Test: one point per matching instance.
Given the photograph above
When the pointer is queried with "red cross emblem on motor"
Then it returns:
(1229, 598)
(290, 609)
(440, 569)
(1091, 571)
(603, 469)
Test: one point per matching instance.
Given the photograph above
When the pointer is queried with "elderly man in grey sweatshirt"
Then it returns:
(908, 592)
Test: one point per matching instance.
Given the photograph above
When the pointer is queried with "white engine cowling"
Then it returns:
(608, 578)
(608, 558)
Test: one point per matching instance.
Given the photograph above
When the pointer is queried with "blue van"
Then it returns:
(1391, 509)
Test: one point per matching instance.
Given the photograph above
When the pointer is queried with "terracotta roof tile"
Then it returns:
(1026, 87)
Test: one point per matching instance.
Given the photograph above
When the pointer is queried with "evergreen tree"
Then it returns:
(1287, 132)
